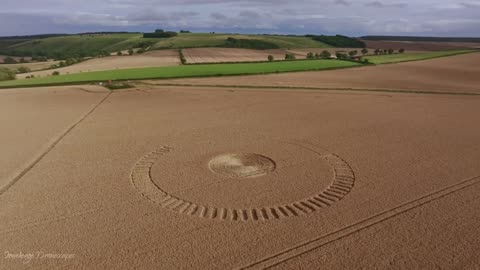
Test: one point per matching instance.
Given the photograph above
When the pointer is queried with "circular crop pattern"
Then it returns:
(244, 166)
(241, 165)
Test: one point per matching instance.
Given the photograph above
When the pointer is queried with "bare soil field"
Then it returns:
(421, 46)
(219, 55)
(458, 73)
(222, 178)
(34, 66)
(149, 59)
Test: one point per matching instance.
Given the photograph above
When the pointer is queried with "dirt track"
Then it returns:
(448, 74)
(346, 180)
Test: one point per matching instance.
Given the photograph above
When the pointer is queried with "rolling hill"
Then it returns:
(93, 44)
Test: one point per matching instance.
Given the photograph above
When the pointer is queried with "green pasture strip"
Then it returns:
(405, 57)
(186, 71)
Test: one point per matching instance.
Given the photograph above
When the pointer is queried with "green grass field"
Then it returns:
(78, 44)
(204, 70)
(404, 57)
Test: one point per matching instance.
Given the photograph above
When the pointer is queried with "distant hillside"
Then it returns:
(199, 40)
(423, 39)
(63, 47)
(95, 44)
(6, 42)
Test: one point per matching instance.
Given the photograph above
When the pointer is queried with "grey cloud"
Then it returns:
(218, 16)
(420, 17)
(342, 2)
(248, 14)
(471, 5)
(378, 4)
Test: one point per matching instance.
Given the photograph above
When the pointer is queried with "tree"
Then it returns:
(7, 74)
(390, 51)
(119, 53)
(401, 50)
(23, 69)
(290, 56)
(9, 60)
(364, 51)
(39, 58)
(104, 53)
(352, 53)
(159, 30)
(55, 73)
(310, 56)
(270, 58)
(339, 41)
(325, 54)
(130, 52)
(70, 61)
(342, 55)
(378, 51)
(183, 60)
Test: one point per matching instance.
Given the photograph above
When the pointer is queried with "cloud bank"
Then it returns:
(348, 17)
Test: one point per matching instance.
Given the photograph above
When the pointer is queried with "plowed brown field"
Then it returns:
(172, 177)
(219, 55)
(34, 66)
(148, 59)
(448, 74)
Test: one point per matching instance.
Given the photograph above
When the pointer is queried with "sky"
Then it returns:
(347, 17)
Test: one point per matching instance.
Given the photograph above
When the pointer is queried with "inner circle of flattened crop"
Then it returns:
(342, 183)
(241, 165)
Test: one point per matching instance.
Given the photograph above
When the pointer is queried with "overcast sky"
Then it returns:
(348, 17)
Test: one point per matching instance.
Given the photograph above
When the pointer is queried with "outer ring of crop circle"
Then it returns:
(342, 183)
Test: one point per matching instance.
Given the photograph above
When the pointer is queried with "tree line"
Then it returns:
(339, 41)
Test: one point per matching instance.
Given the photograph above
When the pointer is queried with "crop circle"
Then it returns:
(246, 166)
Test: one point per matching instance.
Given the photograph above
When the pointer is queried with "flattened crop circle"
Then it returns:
(234, 166)
(241, 165)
